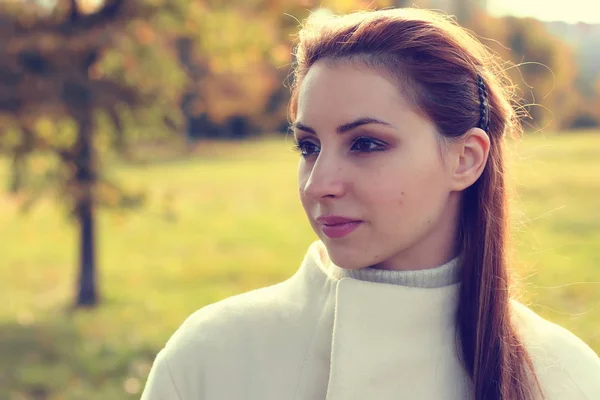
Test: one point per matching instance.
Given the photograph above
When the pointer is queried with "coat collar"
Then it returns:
(399, 341)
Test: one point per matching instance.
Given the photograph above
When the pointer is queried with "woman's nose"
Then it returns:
(324, 179)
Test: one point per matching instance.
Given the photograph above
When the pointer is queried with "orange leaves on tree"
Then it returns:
(144, 34)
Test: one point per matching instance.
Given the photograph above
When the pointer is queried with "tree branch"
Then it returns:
(74, 13)
(76, 21)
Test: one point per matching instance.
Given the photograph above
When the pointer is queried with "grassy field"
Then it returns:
(226, 221)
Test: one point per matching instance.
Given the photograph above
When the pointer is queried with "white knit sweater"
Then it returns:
(328, 333)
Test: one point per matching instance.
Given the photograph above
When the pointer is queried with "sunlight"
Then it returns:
(572, 11)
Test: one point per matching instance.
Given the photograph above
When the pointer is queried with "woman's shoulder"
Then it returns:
(564, 363)
(253, 315)
(223, 336)
(221, 320)
(550, 335)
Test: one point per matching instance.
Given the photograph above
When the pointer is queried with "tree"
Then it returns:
(67, 66)
(237, 56)
(543, 67)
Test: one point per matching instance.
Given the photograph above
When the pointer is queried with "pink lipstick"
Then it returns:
(337, 227)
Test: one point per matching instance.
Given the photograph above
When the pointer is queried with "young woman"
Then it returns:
(399, 117)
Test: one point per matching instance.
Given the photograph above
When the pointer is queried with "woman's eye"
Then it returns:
(359, 145)
(367, 145)
(306, 148)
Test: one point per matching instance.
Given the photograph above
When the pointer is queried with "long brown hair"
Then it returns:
(439, 63)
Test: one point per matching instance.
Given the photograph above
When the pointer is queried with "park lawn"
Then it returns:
(227, 220)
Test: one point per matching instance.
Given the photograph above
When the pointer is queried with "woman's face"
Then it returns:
(371, 160)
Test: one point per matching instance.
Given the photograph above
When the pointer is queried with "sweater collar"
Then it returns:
(443, 275)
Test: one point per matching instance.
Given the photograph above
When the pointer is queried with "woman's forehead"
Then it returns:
(346, 86)
(341, 93)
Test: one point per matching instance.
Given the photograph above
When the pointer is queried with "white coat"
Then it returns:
(315, 337)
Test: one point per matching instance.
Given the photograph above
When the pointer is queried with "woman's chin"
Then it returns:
(346, 259)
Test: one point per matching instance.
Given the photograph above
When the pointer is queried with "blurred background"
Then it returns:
(145, 171)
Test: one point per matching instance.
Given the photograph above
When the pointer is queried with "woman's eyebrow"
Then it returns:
(344, 127)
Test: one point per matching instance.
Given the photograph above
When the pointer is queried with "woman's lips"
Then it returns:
(337, 227)
(340, 230)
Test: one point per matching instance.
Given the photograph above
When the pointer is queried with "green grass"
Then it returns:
(226, 221)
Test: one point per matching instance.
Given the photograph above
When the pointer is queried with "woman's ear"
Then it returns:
(470, 154)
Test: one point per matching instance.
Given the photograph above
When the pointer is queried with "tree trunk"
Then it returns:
(87, 294)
